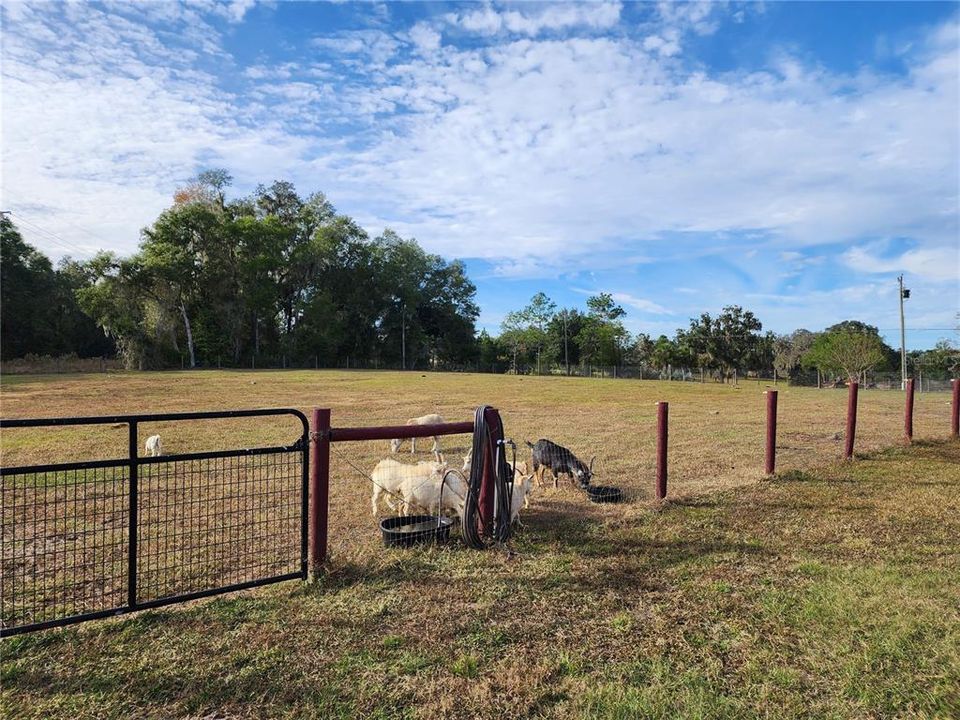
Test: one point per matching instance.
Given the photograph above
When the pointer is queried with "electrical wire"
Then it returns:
(48, 235)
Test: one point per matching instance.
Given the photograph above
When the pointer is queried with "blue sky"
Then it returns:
(793, 158)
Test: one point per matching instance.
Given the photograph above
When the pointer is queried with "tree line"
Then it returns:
(279, 279)
(270, 279)
(542, 336)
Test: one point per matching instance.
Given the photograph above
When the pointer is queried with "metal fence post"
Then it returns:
(955, 409)
(770, 457)
(319, 488)
(662, 409)
(908, 412)
(133, 445)
(851, 419)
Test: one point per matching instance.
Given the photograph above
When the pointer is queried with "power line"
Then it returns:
(49, 235)
(68, 222)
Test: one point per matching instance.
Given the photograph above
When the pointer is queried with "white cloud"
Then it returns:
(667, 46)
(375, 47)
(935, 263)
(543, 156)
(632, 301)
(236, 10)
(425, 38)
(487, 21)
(641, 304)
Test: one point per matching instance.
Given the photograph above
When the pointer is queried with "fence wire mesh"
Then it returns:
(64, 544)
(213, 522)
(83, 539)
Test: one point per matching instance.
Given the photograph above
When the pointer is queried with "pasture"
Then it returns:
(832, 590)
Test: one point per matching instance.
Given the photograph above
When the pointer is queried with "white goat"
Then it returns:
(432, 419)
(417, 487)
(522, 484)
(521, 477)
(154, 446)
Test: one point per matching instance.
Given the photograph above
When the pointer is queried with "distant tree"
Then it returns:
(39, 312)
(119, 301)
(27, 282)
(562, 331)
(603, 337)
(488, 352)
(788, 350)
(641, 350)
(729, 342)
(663, 353)
(217, 180)
(848, 349)
(526, 330)
(941, 362)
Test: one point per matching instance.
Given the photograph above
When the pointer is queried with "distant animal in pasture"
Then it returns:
(432, 419)
(559, 460)
(426, 486)
(154, 446)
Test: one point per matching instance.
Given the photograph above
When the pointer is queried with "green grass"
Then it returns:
(834, 595)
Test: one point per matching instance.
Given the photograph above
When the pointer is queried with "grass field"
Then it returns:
(831, 591)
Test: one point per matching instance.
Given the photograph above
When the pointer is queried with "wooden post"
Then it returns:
(955, 410)
(662, 411)
(908, 413)
(851, 419)
(319, 488)
(770, 459)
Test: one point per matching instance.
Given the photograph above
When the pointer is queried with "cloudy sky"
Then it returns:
(793, 158)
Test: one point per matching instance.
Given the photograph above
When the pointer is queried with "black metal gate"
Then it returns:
(91, 539)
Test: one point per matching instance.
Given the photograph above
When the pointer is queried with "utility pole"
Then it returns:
(566, 353)
(403, 336)
(904, 295)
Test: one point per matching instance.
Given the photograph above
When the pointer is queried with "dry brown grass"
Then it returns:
(830, 592)
(716, 431)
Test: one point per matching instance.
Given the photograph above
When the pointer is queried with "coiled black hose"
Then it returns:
(498, 531)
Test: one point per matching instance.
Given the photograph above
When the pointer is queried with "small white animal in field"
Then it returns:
(154, 446)
(521, 476)
(522, 485)
(432, 419)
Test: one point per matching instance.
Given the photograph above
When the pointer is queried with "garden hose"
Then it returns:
(496, 530)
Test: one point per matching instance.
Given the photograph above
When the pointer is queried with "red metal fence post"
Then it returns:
(851, 419)
(771, 450)
(908, 412)
(955, 410)
(661, 450)
(319, 488)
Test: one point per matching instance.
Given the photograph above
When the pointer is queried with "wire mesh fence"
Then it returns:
(94, 538)
(207, 523)
(65, 536)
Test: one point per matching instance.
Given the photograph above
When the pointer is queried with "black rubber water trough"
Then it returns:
(407, 530)
(604, 493)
